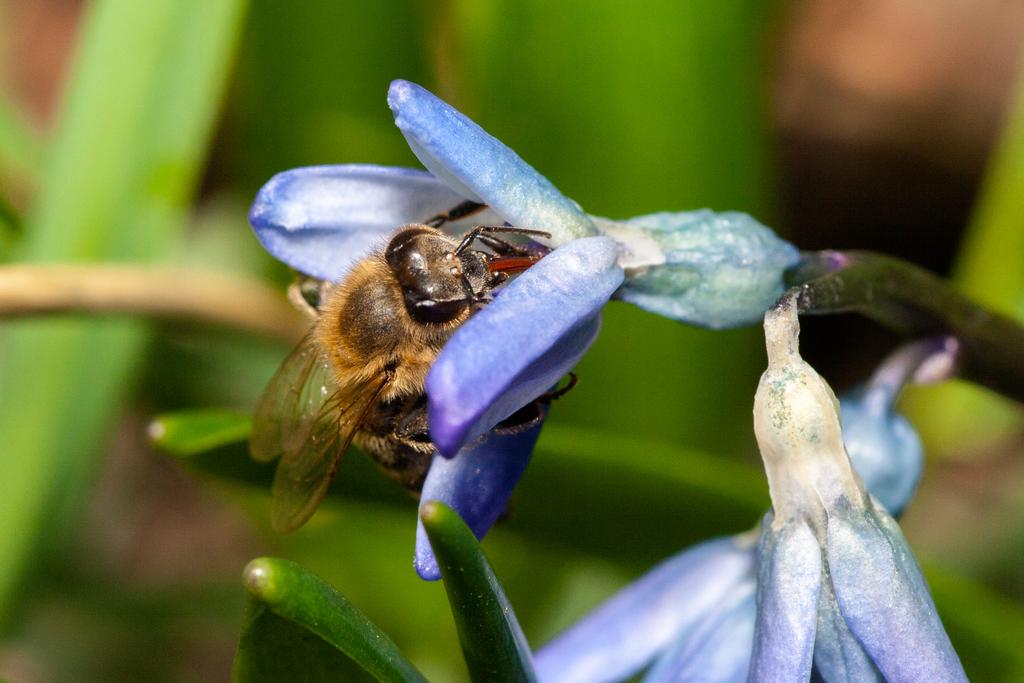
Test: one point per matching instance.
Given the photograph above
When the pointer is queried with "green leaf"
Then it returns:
(659, 483)
(653, 497)
(21, 150)
(193, 366)
(272, 649)
(987, 270)
(296, 627)
(190, 432)
(315, 74)
(10, 228)
(215, 442)
(958, 417)
(493, 644)
(142, 96)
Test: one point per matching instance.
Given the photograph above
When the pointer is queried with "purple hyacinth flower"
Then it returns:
(692, 618)
(714, 270)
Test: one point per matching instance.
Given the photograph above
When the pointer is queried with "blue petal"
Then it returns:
(788, 585)
(883, 447)
(838, 655)
(718, 651)
(481, 168)
(718, 270)
(885, 600)
(516, 347)
(477, 484)
(322, 219)
(621, 636)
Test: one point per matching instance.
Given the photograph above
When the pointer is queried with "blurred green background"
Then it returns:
(139, 131)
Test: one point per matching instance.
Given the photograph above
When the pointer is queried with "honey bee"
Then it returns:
(358, 376)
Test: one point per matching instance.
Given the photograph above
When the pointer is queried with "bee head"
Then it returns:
(437, 284)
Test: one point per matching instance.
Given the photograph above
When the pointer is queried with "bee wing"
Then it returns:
(290, 404)
(304, 473)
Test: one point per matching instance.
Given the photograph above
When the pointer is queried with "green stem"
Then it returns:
(914, 303)
(28, 289)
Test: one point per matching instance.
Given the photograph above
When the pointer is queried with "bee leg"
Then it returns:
(481, 230)
(473, 297)
(523, 419)
(501, 247)
(411, 423)
(466, 208)
(306, 294)
(549, 397)
(403, 449)
(532, 413)
(529, 415)
(512, 230)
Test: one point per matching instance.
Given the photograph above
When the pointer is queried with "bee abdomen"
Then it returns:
(407, 463)
(395, 434)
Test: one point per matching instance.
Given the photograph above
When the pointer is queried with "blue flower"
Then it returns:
(710, 269)
(831, 562)
(737, 609)
(672, 615)
(884, 448)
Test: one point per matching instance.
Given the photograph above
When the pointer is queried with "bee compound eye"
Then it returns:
(431, 311)
(409, 252)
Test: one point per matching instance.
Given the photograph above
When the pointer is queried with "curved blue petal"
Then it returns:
(477, 484)
(718, 650)
(481, 168)
(621, 636)
(519, 345)
(838, 655)
(788, 584)
(322, 219)
(716, 270)
(883, 447)
(884, 598)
